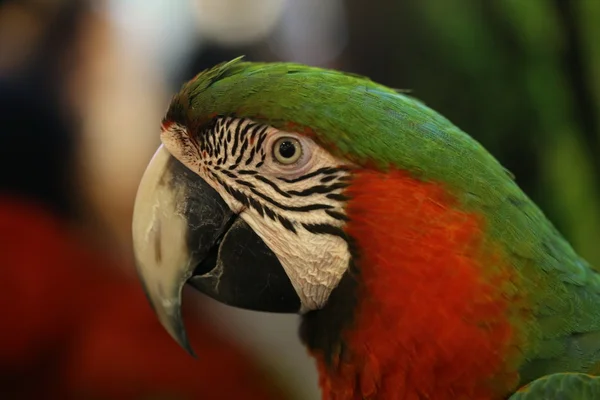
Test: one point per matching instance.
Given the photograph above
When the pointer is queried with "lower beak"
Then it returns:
(183, 231)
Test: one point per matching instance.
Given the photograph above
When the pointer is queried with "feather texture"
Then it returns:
(383, 131)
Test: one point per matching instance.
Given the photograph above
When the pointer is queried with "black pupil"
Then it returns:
(287, 149)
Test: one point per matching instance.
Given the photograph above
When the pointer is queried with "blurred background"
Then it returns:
(523, 78)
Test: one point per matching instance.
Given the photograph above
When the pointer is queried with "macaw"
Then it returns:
(418, 266)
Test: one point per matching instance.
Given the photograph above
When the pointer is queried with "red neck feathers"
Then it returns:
(430, 319)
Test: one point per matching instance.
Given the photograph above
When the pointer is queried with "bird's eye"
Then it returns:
(287, 150)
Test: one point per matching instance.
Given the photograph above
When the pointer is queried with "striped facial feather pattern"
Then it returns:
(285, 186)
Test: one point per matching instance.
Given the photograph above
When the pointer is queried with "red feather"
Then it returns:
(431, 321)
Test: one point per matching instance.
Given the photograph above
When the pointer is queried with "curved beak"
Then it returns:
(183, 231)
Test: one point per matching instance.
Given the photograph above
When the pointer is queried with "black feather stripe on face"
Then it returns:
(233, 151)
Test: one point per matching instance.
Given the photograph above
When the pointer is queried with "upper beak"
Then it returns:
(184, 231)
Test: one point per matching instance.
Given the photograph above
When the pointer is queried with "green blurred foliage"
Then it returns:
(522, 77)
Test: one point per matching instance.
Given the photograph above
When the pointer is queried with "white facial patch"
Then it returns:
(297, 209)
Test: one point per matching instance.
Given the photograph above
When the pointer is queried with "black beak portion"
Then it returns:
(243, 272)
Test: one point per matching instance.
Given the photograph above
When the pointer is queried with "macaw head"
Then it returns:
(287, 188)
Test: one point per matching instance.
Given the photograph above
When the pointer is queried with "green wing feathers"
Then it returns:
(562, 386)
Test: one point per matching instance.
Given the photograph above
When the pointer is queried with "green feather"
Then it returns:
(378, 127)
(566, 386)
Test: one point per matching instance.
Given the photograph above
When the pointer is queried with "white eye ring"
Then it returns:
(287, 150)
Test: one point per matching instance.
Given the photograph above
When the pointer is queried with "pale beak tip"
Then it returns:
(174, 325)
(170, 317)
(183, 341)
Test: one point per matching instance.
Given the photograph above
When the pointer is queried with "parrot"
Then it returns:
(419, 268)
